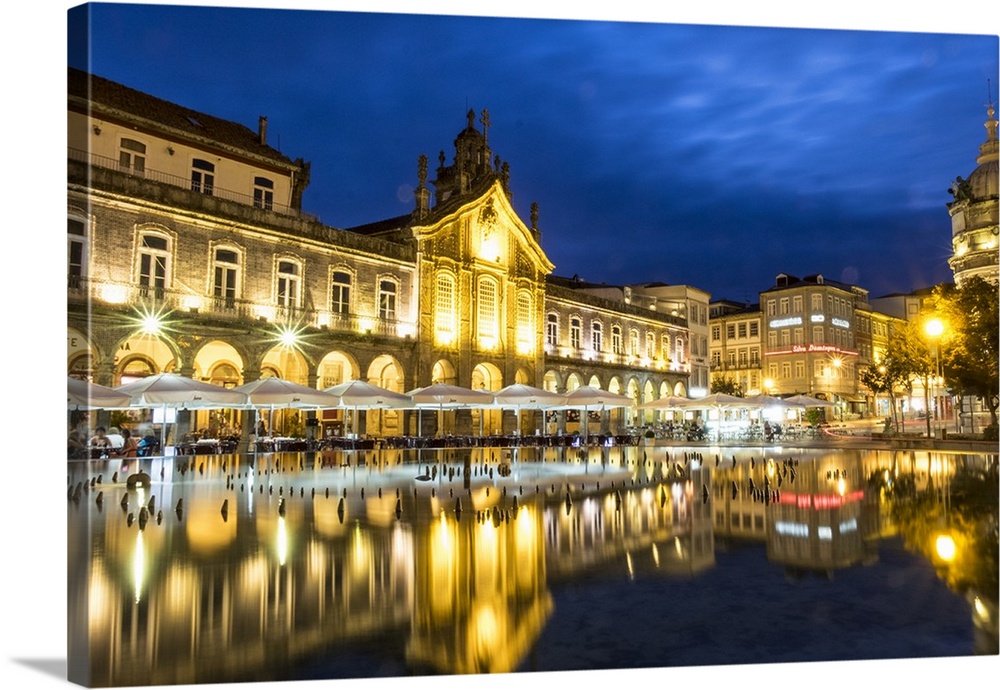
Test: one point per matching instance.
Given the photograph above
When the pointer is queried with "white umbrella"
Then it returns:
(772, 401)
(719, 401)
(520, 396)
(174, 391)
(670, 402)
(278, 393)
(808, 401)
(84, 395)
(361, 395)
(589, 397)
(443, 396)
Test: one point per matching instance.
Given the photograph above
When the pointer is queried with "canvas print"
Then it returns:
(416, 345)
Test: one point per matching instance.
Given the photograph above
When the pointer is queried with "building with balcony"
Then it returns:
(736, 344)
(189, 251)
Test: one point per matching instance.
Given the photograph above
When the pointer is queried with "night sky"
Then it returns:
(716, 156)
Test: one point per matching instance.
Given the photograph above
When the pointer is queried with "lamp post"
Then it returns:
(934, 328)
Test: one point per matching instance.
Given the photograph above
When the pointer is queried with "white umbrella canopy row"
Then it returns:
(84, 395)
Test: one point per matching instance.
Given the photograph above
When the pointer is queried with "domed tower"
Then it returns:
(974, 213)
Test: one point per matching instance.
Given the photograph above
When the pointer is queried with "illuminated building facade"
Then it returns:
(974, 216)
(189, 251)
(735, 345)
(810, 343)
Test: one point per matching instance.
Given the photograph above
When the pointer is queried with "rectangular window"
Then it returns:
(132, 157)
(340, 293)
(786, 337)
(202, 176)
(387, 300)
(77, 251)
(816, 302)
(754, 357)
(743, 330)
(617, 346)
(633, 337)
(263, 193)
(716, 333)
(730, 330)
(786, 370)
(770, 307)
(754, 329)
(797, 336)
(797, 304)
(817, 334)
(732, 359)
(226, 271)
(650, 345)
(800, 369)
(574, 333)
(772, 340)
(552, 329)
(153, 258)
(288, 284)
(525, 324)
(743, 358)
(783, 305)
(596, 337)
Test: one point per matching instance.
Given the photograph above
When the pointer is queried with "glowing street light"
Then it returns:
(934, 328)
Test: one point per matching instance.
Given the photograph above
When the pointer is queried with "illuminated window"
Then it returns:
(154, 264)
(487, 313)
(225, 278)
(817, 334)
(786, 337)
(650, 345)
(575, 328)
(797, 336)
(444, 309)
(679, 349)
(387, 289)
(772, 339)
(340, 292)
(783, 305)
(754, 357)
(665, 346)
(732, 359)
(288, 284)
(617, 346)
(552, 329)
(770, 307)
(797, 303)
(596, 336)
(525, 323)
(816, 302)
(633, 342)
(202, 176)
(786, 370)
(716, 359)
(772, 371)
(800, 369)
(743, 358)
(77, 246)
(132, 157)
(263, 193)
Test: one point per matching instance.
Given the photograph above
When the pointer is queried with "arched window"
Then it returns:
(596, 336)
(288, 277)
(617, 346)
(575, 328)
(444, 310)
(387, 294)
(487, 313)
(525, 323)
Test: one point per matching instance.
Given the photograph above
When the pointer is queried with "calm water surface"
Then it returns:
(395, 563)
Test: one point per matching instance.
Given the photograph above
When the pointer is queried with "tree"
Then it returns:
(969, 344)
(907, 359)
(726, 385)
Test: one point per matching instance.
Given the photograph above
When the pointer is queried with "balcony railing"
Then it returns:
(107, 163)
(146, 299)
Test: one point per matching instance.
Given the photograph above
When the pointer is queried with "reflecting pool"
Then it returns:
(356, 564)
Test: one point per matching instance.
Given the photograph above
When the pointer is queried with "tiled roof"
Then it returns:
(112, 95)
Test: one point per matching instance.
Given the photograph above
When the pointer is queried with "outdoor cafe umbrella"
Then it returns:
(720, 402)
(361, 395)
(445, 395)
(278, 393)
(84, 395)
(168, 390)
(590, 397)
(807, 401)
(520, 396)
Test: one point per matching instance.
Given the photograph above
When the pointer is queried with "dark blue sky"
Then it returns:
(715, 156)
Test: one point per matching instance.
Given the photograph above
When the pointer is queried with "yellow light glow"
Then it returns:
(487, 342)
(841, 486)
(944, 545)
(138, 565)
(366, 325)
(114, 294)
(151, 324)
(192, 302)
(489, 248)
(934, 327)
(266, 313)
(288, 337)
(444, 337)
(405, 330)
(282, 540)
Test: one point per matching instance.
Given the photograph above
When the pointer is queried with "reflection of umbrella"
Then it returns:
(446, 396)
(179, 392)
(588, 397)
(277, 393)
(84, 395)
(361, 395)
(520, 396)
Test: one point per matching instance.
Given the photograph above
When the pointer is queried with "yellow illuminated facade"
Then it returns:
(189, 251)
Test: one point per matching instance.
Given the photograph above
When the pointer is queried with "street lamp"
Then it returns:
(934, 327)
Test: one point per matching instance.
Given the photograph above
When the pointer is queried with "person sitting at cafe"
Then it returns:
(100, 440)
(115, 437)
(129, 448)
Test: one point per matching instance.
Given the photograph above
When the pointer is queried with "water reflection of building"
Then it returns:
(654, 529)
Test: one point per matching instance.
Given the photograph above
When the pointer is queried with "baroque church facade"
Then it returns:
(190, 251)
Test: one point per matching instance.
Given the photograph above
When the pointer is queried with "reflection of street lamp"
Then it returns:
(934, 328)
